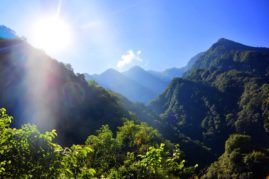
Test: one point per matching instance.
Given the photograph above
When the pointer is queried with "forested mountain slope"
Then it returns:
(226, 91)
(38, 89)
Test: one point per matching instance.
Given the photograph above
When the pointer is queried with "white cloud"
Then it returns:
(129, 58)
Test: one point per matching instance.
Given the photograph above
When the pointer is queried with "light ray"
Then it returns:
(59, 7)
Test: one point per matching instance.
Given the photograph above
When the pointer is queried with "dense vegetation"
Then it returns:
(38, 89)
(136, 151)
(225, 92)
(242, 159)
(218, 113)
(194, 150)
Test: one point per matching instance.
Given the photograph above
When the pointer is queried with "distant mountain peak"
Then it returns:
(136, 68)
(7, 33)
(230, 55)
(111, 71)
(229, 44)
(224, 40)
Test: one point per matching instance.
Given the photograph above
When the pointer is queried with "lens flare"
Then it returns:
(51, 34)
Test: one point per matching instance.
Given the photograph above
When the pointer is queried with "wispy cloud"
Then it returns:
(129, 58)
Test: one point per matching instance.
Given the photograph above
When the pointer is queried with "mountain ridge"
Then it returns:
(7, 33)
(147, 84)
(224, 92)
(38, 89)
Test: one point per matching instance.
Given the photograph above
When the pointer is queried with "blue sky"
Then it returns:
(155, 34)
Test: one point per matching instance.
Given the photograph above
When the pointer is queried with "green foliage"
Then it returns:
(106, 150)
(137, 137)
(156, 163)
(139, 111)
(253, 110)
(136, 151)
(226, 91)
(60, 99)
(5, 134)
(27, 153)
(241, 159)
(75, 162)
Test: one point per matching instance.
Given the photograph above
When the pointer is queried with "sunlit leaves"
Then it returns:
(135, 152)
(28, 153)
(75, 162)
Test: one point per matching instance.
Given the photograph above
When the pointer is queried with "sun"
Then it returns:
(51, 34)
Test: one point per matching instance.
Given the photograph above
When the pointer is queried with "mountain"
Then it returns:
(225, 92)
(226, 54)
(171, 73)
(168, 74)
(189, 107)
(118, 82)
(217, 111)
(7, 33)
(130, 83)
(242, 158)
(192, 62)
(143, 77)
(137, 84)
(38, 89)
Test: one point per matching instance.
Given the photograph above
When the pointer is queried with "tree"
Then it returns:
(241, 159)
(26, 152)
